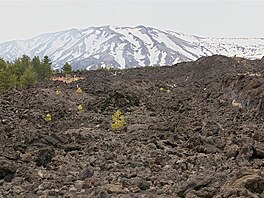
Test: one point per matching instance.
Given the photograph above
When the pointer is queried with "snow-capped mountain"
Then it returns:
(124, 47)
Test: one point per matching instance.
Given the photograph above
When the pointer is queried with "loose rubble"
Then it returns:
(203, 138)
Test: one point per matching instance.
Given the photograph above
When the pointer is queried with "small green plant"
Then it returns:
(47, 117)
(79, 107)
(118, 120)
(58, 92)
(165, 90)
(79, 90)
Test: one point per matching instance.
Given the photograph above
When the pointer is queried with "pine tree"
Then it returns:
(2, 64)
(3, 80)
(29, 77)
(24, 63)
(38, 67)
(16, 67)
(12, 81)
(67, 69)
(46, 64)
(23, 72)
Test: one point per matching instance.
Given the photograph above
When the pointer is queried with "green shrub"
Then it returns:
(67, 69)
(58, 92)
(118, 120)
(47, 117)
(79, 90)
(79, 107)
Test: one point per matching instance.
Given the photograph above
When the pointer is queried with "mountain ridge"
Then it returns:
(126, 47)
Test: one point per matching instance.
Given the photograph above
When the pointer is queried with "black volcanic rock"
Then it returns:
(194, 129)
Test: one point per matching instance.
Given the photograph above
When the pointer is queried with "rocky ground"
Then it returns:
(202, 138)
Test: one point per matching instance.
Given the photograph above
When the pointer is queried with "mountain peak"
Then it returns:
(141, 26)
(124, 47)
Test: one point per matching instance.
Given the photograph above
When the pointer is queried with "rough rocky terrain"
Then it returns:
(203, 138)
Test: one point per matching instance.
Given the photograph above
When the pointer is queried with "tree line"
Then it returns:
(25, 71)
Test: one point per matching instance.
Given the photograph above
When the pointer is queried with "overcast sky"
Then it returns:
(212, 18)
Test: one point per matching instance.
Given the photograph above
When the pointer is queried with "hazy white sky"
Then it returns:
(23, 19)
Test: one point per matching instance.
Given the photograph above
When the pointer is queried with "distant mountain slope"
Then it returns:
(125, 47)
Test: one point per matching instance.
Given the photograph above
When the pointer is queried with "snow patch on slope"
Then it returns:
(124, 47)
